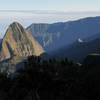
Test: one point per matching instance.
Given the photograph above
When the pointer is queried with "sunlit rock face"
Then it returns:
(18, 41)
(79, 40)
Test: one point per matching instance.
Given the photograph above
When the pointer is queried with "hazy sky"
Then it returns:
(62, 5)
(27, 12)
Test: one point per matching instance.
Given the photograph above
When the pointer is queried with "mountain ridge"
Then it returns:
(61, 34)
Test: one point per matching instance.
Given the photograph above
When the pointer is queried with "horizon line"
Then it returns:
(50, 10)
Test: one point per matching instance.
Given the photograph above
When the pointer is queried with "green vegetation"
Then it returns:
(10, 65)
(52, 80)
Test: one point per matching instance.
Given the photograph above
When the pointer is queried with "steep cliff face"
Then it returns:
(57, 35)
(18, 41)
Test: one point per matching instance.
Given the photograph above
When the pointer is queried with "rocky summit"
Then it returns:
(19, 42)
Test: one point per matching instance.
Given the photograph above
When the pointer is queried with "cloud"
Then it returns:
(45, 16)
(39, 16)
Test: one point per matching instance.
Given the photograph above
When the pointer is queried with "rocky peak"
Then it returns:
(18, 41)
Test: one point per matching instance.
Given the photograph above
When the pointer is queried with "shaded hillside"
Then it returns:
(0, 40)
(78, 51)
(10, 66)
(54, 36)
(92, 37)
(43, 33)
(92, 60)
(19, 42)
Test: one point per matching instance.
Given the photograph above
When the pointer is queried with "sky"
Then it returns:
(27, 12)
(62, 5)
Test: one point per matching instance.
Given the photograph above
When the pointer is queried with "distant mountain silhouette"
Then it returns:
(54, 36)
(19, 42)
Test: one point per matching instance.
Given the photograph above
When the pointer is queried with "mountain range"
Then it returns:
(57, 35)
(73, 40)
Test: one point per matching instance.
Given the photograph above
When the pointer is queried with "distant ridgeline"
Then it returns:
(57, 35)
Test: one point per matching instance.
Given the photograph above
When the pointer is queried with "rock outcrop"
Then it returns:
(19, 42)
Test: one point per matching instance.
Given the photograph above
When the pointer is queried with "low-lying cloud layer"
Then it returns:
(37, 16)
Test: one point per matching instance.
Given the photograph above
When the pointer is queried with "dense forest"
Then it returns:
(52, 80)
